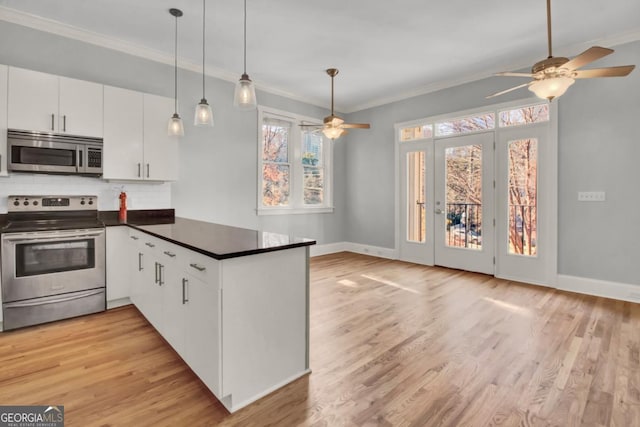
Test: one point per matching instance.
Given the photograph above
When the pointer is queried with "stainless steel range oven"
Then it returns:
(53, 259)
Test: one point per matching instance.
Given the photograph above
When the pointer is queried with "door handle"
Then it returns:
(151, 245)
(169, 254)
(439, 211)
(140, 261)
(138, 170)
(156, 278)
(185, 297)
(148, 170)
(197, 267)
(133, 237)
(160, 274)
(53, 117)
(64, 123)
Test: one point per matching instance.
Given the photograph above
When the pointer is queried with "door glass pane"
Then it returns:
(416, 224)
(523, 195)
(416, 132)
(464, 197)
(475, 123)
(275, 140)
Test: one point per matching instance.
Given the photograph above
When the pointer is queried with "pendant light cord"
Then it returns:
(175, 79)
(245, 36)
(332, 95)
(203, 41)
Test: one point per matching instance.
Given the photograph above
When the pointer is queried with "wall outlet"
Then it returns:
(591, 196)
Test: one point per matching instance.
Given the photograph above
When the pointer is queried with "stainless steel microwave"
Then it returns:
(40, 152)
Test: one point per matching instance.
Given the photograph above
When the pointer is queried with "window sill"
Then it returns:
(294, 211)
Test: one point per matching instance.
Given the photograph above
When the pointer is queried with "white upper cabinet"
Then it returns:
(49, 103)
(160, 149)
(123, 134)
(136, 143)
(3, 120)
(81, 106)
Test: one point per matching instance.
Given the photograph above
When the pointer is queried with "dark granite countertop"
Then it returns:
(220, 241)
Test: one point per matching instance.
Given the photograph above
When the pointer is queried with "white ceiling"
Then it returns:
(385, 50)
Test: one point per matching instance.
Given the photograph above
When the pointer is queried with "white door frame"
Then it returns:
(550, 192)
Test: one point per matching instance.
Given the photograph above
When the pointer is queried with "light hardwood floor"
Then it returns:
(392, 344)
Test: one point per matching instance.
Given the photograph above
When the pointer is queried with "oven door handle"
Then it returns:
(49, 300)
(31, 238)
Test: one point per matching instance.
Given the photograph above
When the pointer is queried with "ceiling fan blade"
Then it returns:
(605, 72)
(509, 74)
(508, 90)
(592, 54)
(355, 126)
(303, 125)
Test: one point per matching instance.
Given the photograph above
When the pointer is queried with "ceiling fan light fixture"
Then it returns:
(332, 132)
(552, 87)
(245, 94)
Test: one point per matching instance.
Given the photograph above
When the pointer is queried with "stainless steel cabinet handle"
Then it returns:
(133, 237)
(185, 297)
(148, 170)
(197, 267)
(140, 261)
(64, 123)
(169, 254)
(53, 117)
(156, 278)
(160, 274)
(138, 170)
(151, 245)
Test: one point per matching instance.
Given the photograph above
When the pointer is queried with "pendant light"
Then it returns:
(204, 115)
(175, 127)
(245, 95)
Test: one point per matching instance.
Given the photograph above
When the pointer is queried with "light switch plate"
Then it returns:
(591, 196)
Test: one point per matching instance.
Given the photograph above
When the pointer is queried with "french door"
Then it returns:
(485, 201)
(464, 206)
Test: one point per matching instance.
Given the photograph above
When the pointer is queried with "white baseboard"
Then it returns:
(326, 249)
(118, 303)
(599, 288)
(332, 248)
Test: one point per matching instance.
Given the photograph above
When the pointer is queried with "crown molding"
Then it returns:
(64, 30)
(72, 32)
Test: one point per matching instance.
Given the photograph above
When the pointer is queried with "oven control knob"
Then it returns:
(82, 202)
(16, 203)
(26, 203)
(90, 202)
(35, 203)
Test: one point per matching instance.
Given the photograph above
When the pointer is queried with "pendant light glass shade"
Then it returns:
(245, 94)
(204, 115)
(552, 87)
(175, 126)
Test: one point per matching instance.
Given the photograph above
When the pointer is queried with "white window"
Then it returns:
(294, 165)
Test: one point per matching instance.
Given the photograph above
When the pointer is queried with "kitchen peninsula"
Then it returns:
(232, 302)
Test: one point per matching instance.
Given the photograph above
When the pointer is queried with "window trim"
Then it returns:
(296, 172)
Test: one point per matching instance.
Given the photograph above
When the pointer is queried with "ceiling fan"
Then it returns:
(553, 76)
(334, 127)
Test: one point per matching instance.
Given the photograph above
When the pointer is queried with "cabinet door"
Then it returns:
(203, 313)
(33, 100)
(123, 134)
(81, 106)
(173, 304)
(4, 74)
(160, 150)
(118, 269)
(138, 268)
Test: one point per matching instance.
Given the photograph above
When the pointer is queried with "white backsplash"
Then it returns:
(139, 195)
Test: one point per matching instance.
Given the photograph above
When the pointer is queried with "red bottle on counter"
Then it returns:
(122, 215)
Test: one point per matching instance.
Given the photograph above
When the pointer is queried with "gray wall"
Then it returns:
(599, 150)
(218, 166)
